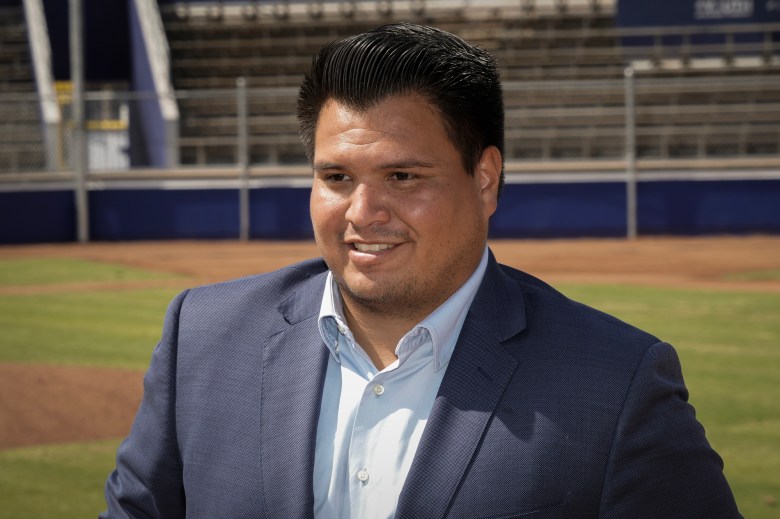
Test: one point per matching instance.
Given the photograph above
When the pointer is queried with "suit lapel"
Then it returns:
(476, 377)
(294, 363)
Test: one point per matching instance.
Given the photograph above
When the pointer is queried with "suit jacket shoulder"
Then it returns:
(550, 310)
(550, 408)
(230, 401)
(269, 286)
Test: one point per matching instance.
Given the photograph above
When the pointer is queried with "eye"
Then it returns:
(400, 175)
(336, 177)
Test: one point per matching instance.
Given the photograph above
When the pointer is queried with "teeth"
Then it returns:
(372, 247)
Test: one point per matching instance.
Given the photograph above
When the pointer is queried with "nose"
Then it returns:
(368, 205)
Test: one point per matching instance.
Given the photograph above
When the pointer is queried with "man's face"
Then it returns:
(399, 221)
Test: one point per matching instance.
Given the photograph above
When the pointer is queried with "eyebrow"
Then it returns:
(320, 166)
(403, 164)
(406, 164)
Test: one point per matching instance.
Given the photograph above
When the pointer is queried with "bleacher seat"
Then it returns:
(562, 62)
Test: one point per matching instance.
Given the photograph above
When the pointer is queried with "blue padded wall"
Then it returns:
(37, 216)
(709, 207)
(154, 214)
(552, 210)
(280, 213)
(560, 210)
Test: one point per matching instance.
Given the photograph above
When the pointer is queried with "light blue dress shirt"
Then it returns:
(371, 421)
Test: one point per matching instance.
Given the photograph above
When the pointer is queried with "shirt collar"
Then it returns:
(331, 320)
(443, 324)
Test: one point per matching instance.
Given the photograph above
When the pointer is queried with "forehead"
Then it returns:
(403, 117)
(398, 130)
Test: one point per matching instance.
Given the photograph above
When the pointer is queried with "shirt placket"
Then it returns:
(365, 473)
(371, 474)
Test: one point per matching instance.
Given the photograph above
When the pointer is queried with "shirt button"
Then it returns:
(362, 475)
(379, 389)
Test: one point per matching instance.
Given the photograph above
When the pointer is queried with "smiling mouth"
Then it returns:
(372, 247)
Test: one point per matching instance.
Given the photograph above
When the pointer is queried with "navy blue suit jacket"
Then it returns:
(548, 409)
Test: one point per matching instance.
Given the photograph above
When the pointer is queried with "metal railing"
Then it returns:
(674, 118)
(723, 118)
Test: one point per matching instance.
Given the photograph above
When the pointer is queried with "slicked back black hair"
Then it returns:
(459, 79)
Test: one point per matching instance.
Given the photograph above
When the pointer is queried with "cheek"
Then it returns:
(324, 210)
(420, 214)
(443, 210)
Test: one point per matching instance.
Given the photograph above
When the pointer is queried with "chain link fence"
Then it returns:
(23, 143)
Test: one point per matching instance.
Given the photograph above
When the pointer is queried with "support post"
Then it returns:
(243, 157)
(631, 191)
(79, 150)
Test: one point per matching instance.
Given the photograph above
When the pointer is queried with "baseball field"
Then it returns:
(78, 324)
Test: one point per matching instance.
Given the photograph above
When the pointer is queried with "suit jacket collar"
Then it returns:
(479, 371)
(499, 303)
(294, 365)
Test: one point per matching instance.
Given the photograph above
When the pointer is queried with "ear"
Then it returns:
(488, 173)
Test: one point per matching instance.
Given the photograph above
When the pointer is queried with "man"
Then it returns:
(408, 374)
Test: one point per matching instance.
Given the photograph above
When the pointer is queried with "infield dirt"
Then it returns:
(48, 403)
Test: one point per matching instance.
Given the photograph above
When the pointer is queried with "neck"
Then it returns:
(377, 334)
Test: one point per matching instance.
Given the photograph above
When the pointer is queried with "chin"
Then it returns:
(367, 290)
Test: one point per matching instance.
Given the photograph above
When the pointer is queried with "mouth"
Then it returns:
(372, 247)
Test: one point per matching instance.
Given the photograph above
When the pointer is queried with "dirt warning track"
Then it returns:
(46, 403)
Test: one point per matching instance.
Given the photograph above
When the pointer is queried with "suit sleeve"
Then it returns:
(147, 481)
(661, 464)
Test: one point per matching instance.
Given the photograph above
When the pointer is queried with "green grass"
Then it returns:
(115, 328)
(729, 344)
(44, 271)
(110, 328)
(754, 275)
(60, 481)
